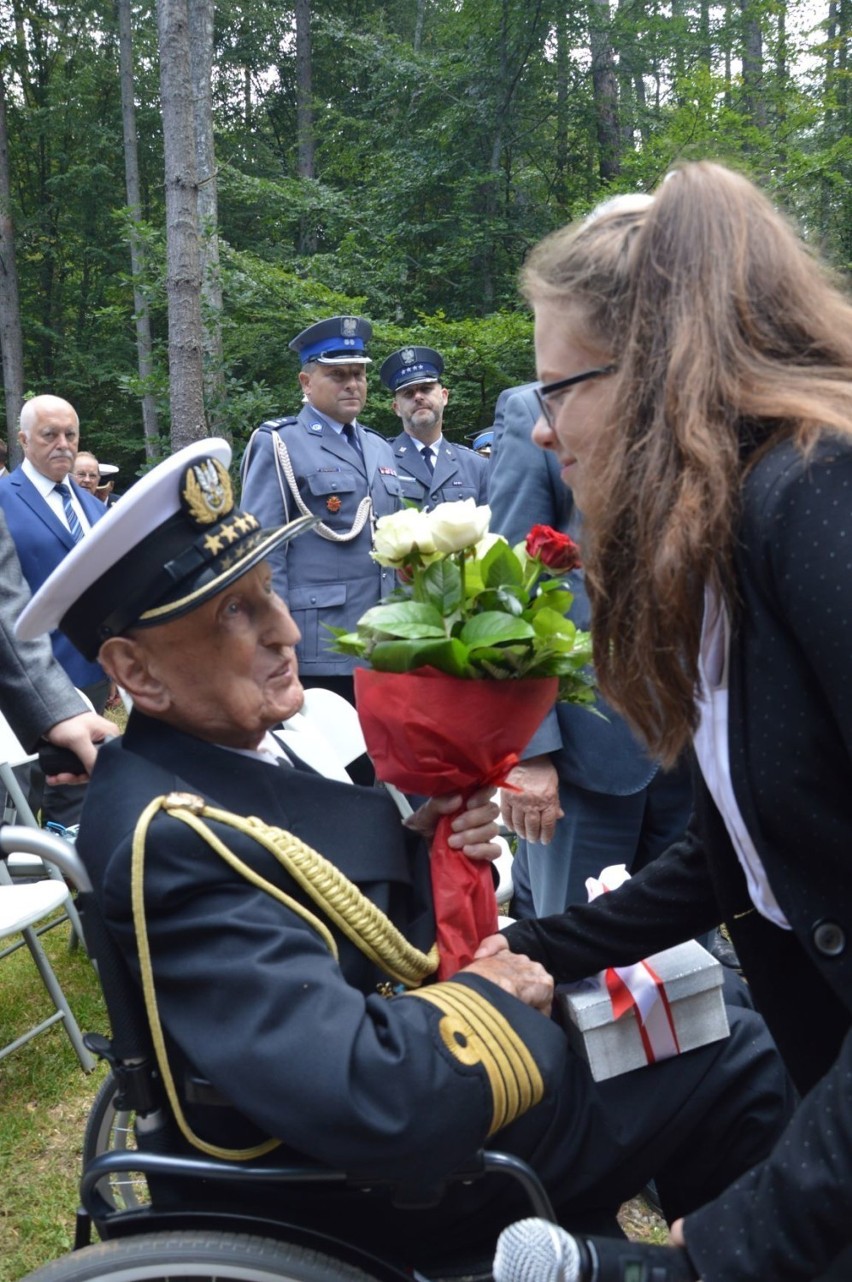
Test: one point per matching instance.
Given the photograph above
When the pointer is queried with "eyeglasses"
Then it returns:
(544, 390)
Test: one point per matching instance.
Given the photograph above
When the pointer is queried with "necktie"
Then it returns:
(352, 437)
(71, 517)
(428, 457)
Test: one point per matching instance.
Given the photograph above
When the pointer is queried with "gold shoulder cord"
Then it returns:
(356, 916)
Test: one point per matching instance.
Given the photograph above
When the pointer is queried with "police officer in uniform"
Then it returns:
(431, 470)
(482, 443)
(325, 463)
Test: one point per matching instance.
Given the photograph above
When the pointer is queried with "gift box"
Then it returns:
(686, 1010)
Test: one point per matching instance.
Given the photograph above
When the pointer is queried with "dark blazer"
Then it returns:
(35, 693)
(599, 754)
(459, 473)
(790, 744)
(42, 542)
(323, 581)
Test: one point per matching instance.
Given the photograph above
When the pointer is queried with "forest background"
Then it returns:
(394, 160)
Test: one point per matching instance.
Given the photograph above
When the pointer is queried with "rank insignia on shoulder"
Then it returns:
(387, 471)
(333, 503)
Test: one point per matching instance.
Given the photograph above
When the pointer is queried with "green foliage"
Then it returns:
(443, 151)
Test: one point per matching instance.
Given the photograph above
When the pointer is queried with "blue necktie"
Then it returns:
(71, 516)
(351, 436)
(428, 457)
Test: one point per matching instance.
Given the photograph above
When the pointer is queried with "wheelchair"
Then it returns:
(161, 1213)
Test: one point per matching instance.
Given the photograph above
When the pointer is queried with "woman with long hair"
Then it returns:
(696, 387)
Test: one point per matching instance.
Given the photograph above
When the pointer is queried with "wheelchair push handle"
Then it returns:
(17, 839)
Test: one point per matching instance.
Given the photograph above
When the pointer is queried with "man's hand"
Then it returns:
(491, 946)
(532, 813)
(82, 735)
(527, 980)
(474, 827)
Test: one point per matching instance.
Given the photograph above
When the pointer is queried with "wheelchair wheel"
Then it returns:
(201, 1256)
(109, 1127)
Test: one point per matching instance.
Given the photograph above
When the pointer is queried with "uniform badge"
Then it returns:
(207, 495)
(387, 471)
(407, 355)
(349, 326)
(333, 503)
(316, 427)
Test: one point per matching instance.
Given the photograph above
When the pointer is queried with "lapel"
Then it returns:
(411, 460)
(333, 442)
(41, 508)
(446, 465)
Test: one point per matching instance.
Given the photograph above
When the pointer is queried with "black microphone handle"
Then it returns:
(607, 1259)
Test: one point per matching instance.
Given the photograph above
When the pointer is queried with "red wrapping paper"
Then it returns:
(434, 734)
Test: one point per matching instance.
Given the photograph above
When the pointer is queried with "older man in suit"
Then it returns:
(47, 514)
(590, 795)
(432, 470)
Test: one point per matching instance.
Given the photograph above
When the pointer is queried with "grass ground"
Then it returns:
(44, 1101)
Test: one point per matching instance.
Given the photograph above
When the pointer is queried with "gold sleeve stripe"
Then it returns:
(475, 1032)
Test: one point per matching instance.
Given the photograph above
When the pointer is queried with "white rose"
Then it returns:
(398, 534)
(487, 542)
(460, 525)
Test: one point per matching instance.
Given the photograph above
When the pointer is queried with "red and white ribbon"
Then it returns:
(637, 987)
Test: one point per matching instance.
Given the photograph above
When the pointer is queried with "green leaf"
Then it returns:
(448, 655)
(404, 619)
(500, 600)
(500, 566)
(547, 623)
(491, 628)
(442, 584)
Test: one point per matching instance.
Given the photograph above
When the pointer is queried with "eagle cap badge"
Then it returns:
(207, 495)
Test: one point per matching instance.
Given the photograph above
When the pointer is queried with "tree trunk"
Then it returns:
(141, 314)
(305, 115)
(11, 338)
(752, 53)
(605, 90)
(183, 265)
(418, 25)
(201, 60)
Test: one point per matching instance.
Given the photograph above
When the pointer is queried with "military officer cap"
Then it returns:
(411, 365)
(341, 340)
(175, 540)
(481, 440)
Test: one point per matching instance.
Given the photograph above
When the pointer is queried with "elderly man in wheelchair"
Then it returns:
(266, 942)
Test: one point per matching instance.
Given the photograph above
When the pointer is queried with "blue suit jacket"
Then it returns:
(42, 543)
(322, 580)
(597, 753)
(459, 473)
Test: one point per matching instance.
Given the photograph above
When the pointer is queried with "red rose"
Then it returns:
(555, 551)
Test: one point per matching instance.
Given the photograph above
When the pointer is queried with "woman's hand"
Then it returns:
(473, 828)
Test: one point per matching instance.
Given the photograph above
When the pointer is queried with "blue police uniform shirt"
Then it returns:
(305, 464)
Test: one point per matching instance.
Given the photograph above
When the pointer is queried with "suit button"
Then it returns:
(829, 938)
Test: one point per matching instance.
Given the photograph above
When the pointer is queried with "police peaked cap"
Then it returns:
(174, 541)
(411, 365)
(341, 340)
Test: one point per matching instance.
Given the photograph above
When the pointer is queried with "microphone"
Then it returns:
(535, 1250)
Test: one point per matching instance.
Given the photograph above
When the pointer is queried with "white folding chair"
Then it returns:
(21, 907)
(17, 810)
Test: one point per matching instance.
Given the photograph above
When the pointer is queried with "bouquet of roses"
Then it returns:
(464, 661)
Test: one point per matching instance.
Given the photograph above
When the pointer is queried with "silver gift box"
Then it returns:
(693, 985)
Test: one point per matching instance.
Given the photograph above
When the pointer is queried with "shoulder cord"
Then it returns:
(359, 919)
(365, 507)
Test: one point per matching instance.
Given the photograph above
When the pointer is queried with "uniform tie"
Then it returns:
(428, 457)
(352, 437)
(71, 516)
